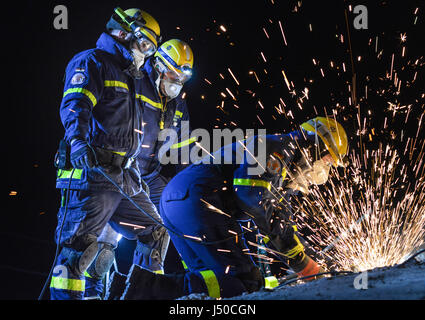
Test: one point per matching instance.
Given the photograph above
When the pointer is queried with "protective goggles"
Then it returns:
(146, 46)
(182, 73)
(172, 75)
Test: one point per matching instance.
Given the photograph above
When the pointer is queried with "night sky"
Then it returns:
(241, 35)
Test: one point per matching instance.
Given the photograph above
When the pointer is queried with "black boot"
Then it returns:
(143, 284)
(116, 286)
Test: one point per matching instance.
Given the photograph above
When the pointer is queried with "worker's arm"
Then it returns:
(82, 91)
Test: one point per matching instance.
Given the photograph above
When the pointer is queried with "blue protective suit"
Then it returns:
(101, 104)
(206, 201)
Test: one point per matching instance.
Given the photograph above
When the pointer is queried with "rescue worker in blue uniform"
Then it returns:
(102, 118)
(109, 237)
(164, 111)
(202, 204)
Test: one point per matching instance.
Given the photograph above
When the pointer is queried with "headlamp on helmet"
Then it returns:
(146, 39)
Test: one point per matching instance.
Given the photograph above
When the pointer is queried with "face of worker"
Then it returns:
(169, 86)
(316, 173)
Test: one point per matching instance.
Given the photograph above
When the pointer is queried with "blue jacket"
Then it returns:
(100, 104)
(263, 197)
(159, 114)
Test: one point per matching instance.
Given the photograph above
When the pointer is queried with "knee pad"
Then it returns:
(156, 248)
(103, 261)
(82, 253)
(158, 233)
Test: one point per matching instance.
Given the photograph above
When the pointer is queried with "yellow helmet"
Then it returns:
(175, 57)
(333, 136)
(131, 19)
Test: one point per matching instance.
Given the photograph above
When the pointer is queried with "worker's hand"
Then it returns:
(311, 268)
(81, 154)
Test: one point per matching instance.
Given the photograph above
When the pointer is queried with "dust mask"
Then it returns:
(171, 89)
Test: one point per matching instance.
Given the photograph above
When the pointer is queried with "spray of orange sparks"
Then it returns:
(368, 220)
(373, 213)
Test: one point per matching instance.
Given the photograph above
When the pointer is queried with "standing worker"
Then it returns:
(121, 31)
(201, 205)
(103, 123)
(163, 108)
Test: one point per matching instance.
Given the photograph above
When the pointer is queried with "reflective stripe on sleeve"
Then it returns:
(183, 143)
(252, 183)
(211, 282)
(83, 91)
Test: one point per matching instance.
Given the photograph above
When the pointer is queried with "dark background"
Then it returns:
(37, 54)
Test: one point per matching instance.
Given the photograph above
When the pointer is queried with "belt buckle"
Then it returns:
(128, 163)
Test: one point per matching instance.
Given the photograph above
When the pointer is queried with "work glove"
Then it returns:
(82, 155)
(308, 267)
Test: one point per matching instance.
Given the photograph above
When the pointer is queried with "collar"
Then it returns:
(109, 44)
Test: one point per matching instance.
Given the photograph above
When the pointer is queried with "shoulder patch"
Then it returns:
(78, 78)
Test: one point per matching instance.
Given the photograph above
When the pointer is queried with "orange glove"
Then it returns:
(310, 268)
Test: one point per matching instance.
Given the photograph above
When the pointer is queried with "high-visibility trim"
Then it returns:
(284, 174)
(183, 143)
(66, 174)
(83, 91)
(159, 271)
(86, 274)
(179, 113)
(68, 284)
(266, 239)
(157, 105)
(121, 153)
(211, 282)
(270, 282)
(299, 248)
(114, 83)
(184, 265)
(252, 183)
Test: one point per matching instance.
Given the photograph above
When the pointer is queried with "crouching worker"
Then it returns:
(202, 204)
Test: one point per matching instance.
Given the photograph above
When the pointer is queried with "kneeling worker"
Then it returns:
(202, 204)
